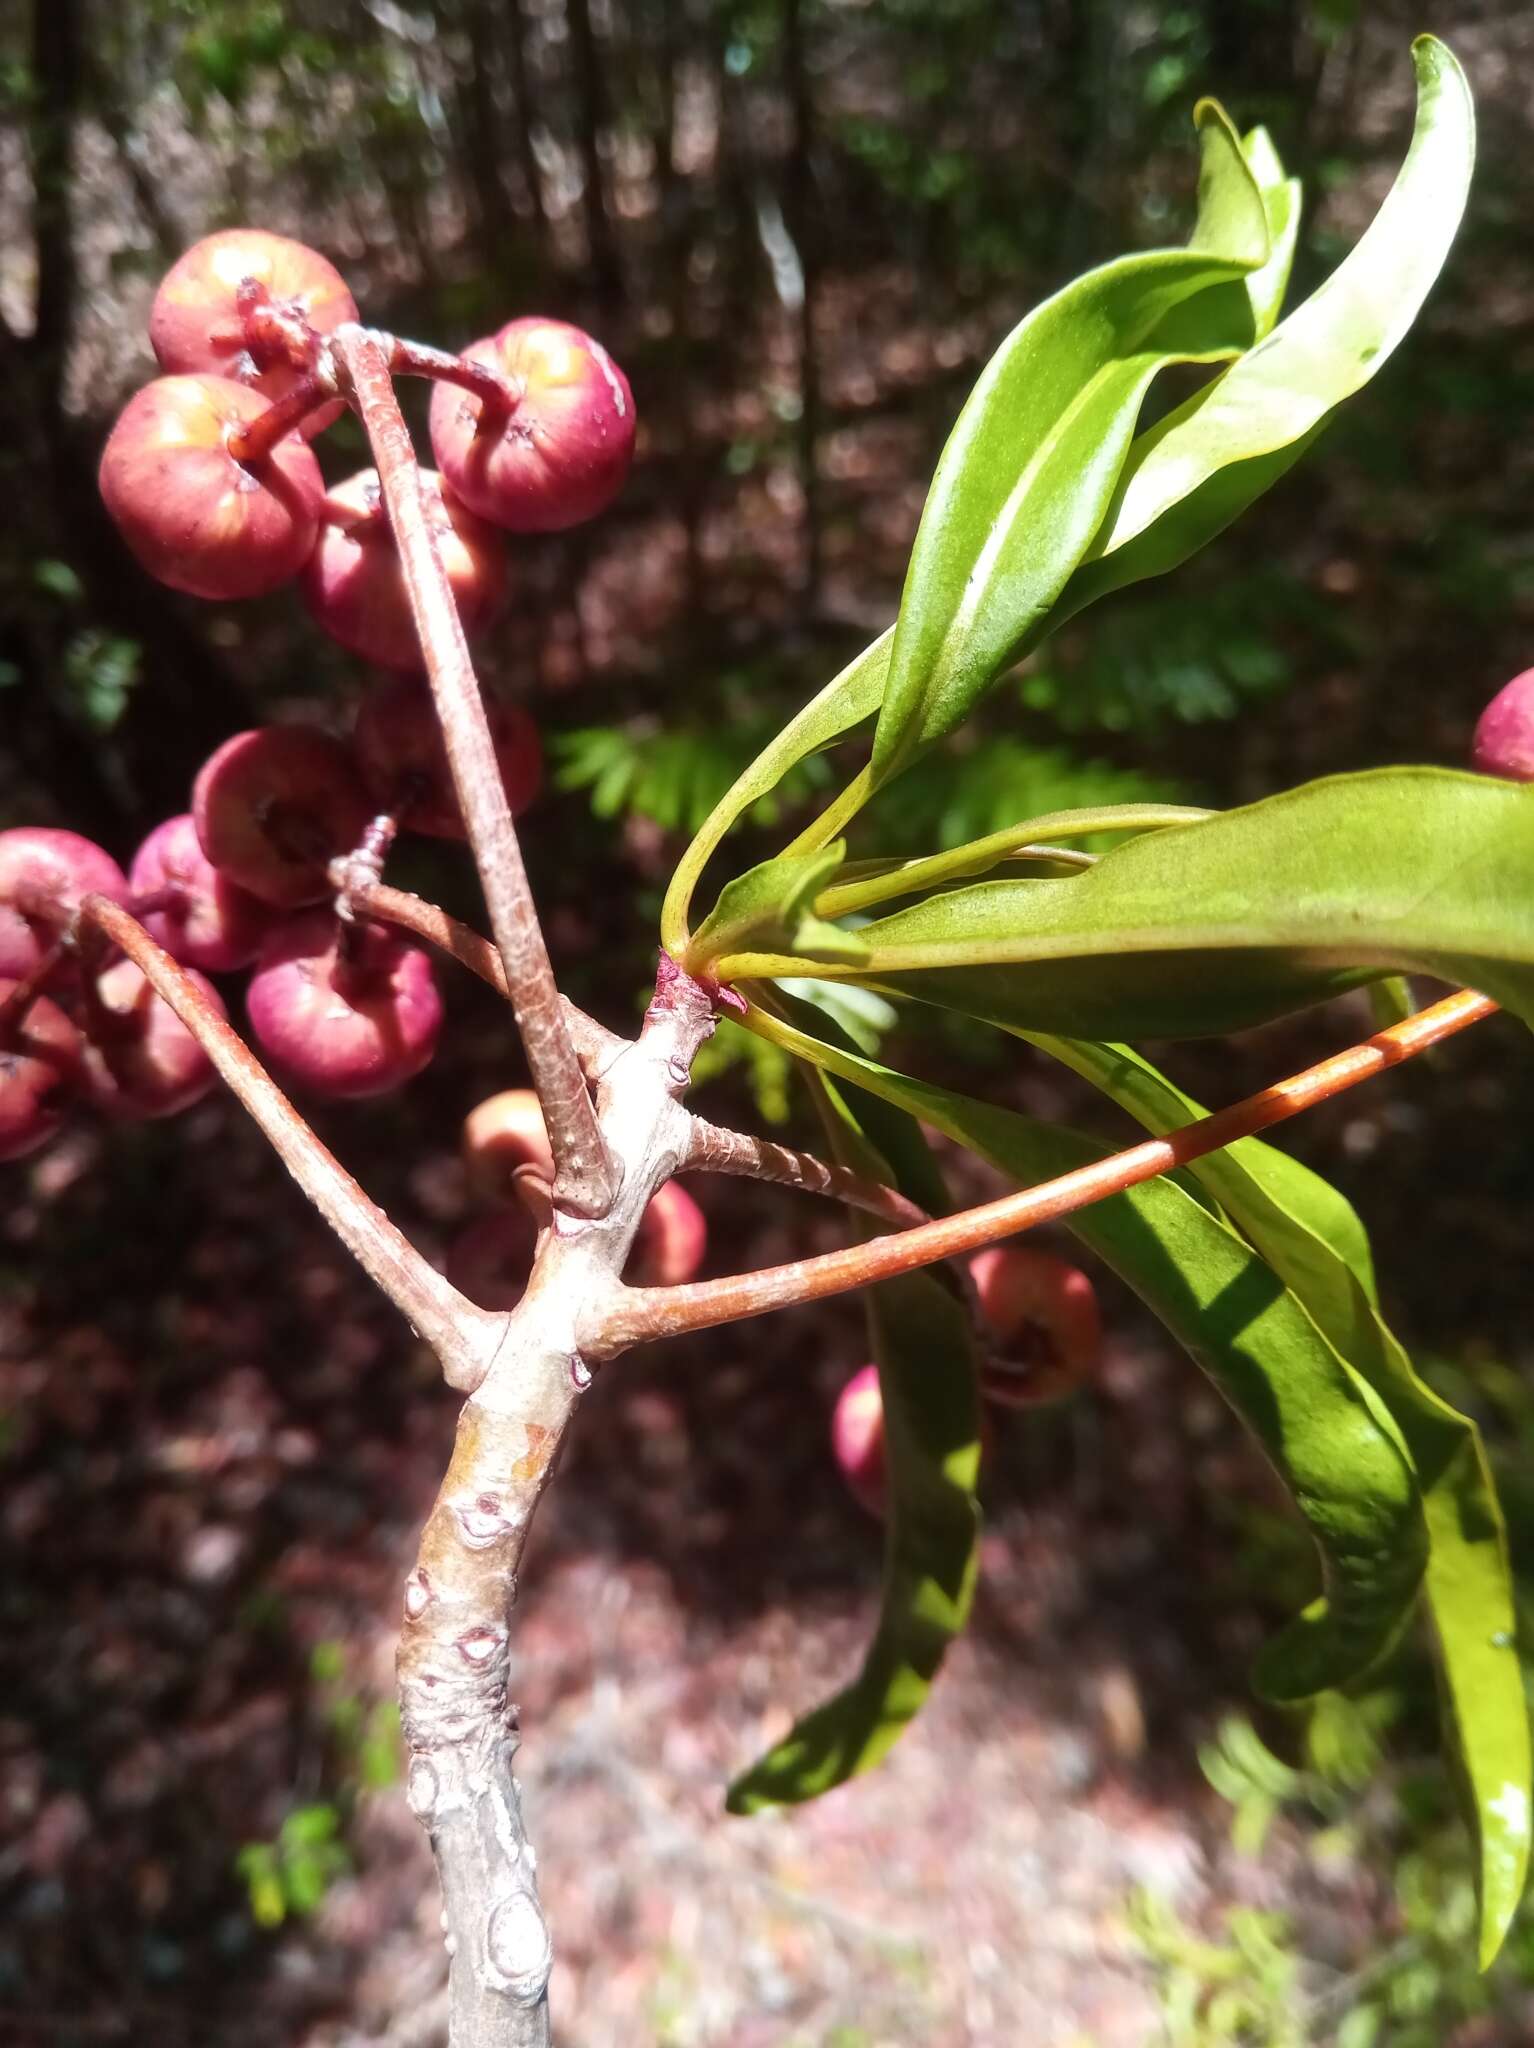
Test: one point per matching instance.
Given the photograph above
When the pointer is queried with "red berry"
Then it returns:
(1504, 733)
(857, 1438)
(274, 806)
(355, 588)
(203, 919)
(141, 1062)
(561, 454)
(671, 1240)
(1043, 1315)
(400, 751)
(504, 1132)
(198, 320)
(196, 518)
(43, 875)
(344, 1010)
(491, 1259)
(40, 1057)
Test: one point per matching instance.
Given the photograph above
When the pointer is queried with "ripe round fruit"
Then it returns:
(857, 1438)
(504, 1132)
(355, 588)
(561, 454)
(344, 1011)
(197, 321)
(141, 1062)
(1504, 732)
(490, 1260)
(274, 806)
(195, 518)
(404, 762)
(1043, 1315)
(40, 1056)
(43, 875)
(671, 1240)
(206, 920)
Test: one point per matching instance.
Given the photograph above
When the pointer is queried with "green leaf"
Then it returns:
(907, 878)
(845, 701)
(1192, 473)
(1029, 471)
(768, 909)
(1325, 1431)
(1311, 1237)
(1281, 198)
(1250, 915)
(928, 1377)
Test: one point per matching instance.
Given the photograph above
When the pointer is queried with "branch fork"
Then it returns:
(618, 1129)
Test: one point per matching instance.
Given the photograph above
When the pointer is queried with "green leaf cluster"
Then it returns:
(1049, 496)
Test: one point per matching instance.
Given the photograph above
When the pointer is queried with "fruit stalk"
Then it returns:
(500, 395)
(582, 1182)
(641, 1314)
(252, 443)
(461, 1335)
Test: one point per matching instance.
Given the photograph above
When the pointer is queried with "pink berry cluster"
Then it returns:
(340, 1007)
(505, 1143)
(209, 474)
(211, 479)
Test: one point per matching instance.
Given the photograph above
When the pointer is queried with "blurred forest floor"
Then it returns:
(218, 1446)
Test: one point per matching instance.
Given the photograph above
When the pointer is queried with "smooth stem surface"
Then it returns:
(460, 1334)
(643, 1314)
(582, 1183)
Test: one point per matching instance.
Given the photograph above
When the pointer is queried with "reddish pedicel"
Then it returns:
(202, 919)
(196, 518)
(344, 1011)
(1504, 733)
(561, 454)
(141, 1061)
(43, 875)
(40, 1056)
(1044, 1317)
(202, 319)
(274, 806)
(404, 763)
(355, 588)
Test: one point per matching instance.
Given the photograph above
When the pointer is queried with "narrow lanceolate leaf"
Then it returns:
(1027, 476)
(1326, 1432)
(928, 1378)
(1201, 466)
(1281, 198)
(1311, 1237)
(1252, 914)
(845, 701)
(768, 909)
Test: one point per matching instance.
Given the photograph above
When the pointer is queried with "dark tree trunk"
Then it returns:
(56, 80)
(524, 93)
(799, 207)
(482, 121)
(592, 121)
